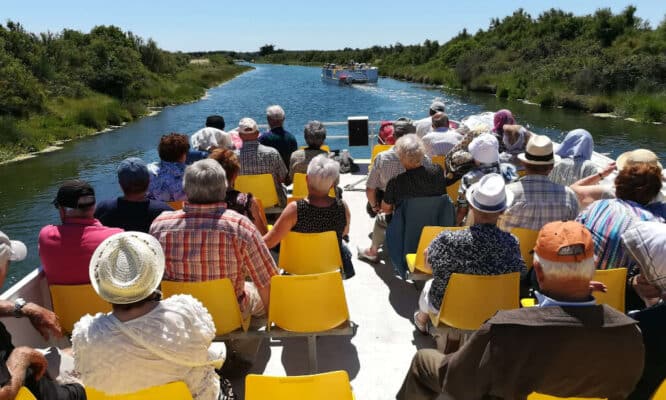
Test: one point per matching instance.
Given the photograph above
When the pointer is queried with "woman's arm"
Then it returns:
(257, 217)
(282, 226)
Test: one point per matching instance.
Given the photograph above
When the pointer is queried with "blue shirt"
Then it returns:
(545, 301)
(166, 181)
(282, 141)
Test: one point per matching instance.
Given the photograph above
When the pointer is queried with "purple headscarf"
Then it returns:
(501, 118)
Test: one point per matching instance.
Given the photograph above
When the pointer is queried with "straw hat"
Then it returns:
(637, 156)
(127, 267)
(489, 194)
(539, 151)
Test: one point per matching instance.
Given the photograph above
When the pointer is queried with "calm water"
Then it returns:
(29, 186)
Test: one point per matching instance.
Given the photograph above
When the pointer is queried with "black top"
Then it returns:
(6, 349)
(239, 202)
(130, 215)
(423, 181)
(311, 219)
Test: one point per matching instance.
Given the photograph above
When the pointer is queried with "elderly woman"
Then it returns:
(144, 341)
(318, 212)
(166, 176)
(635, 186)
(242, 203)
(314, 134)
(418, 180)
(575, 152)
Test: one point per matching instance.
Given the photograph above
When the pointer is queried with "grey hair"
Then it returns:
(565, 270)
(205, 182)
(275, 112)
(410, 150)
(314, 133)
(323, 173)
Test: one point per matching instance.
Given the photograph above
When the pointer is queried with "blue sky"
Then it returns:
(301, 24)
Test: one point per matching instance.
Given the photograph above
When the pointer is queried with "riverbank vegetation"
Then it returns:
(69, 84)
(602, 62)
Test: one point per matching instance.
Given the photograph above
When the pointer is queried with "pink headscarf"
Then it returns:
(501, 118)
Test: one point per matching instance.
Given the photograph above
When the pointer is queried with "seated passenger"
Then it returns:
(386, 133)
(608, 219)
(318, 212)
(423, 126)
(566, 346)
(243, 203)
(145, 341)
(314, 134)
(537, 200)
(25, 366)
(482, 249)
(500, 119)
(276, 136)
(65, 249)
(206, 139)
(166, 176)
(575, 164)
(440, 140)
(418, 180)
(132, 211)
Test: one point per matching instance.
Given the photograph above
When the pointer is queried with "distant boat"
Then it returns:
(349, 74)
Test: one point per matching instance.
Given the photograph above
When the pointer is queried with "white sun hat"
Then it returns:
(485, 149)
(127, 267)
(539, 151)
(489, 194)
(11, 250)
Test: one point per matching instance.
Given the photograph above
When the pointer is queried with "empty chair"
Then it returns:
(24, 394)
(171, 391)
(327, 386)
(176, 205)
(308, 305)
(218, 296)
(527, 240)
(310, 253)
(416, 261)
(539, 396)
(261, 186)
(71, 302)
(615, 280)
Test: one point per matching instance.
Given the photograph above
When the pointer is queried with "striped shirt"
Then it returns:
(257, 159)
(538, 201)
(207, 241)
(568, 171)
(607, 220)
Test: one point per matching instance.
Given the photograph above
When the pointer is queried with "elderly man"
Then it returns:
(440, 140)
(276, 136)
(314, 134)
(132, 211)
(206, 139)
(423, 126)
(538, 200)
(256, 158)
(24, 366)
(566, 346)
(418, 180)
(65, 249)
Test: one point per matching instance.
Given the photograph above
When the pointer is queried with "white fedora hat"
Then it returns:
(539, 151)
(489, 194)
(127, 267)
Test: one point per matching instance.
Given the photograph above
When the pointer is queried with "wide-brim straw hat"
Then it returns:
(539, 151)
(637, 156)
(127, 267)
(489, 194)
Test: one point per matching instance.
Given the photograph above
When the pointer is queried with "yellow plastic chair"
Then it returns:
(539, 396)
(310, 253)
(171, 391)
(416, 261)
(439, 160)
(469, 300)
(218, 296)
(660, 394)
(323, 147)
(521, 173)
(308, 305)
(261, 186)
(327, 386)
(300, 188)
(176, 205)
(452, 191)
(378, 148)
(71, 302)
(615, 280)
(24, 394)
(527, 240)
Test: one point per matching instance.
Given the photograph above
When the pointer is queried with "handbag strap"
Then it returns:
(142, 343)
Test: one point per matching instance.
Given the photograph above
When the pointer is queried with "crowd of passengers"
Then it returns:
(180, 219)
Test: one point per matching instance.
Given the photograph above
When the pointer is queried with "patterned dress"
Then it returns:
(166, 181)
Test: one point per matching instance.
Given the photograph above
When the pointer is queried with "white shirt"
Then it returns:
(210, 137)
(180, 327)
(439, 142)
(423, 126)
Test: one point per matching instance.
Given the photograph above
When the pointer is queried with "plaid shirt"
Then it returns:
(385, 167)
(538, 201)
(257, 159)
(206, 241)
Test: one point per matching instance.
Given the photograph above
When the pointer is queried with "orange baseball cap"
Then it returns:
(564, 241)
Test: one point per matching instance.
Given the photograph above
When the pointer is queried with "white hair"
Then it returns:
(323, 173)
(561, 270)
(410, 150)
(210, 137)
(205, 182)
(275, 112)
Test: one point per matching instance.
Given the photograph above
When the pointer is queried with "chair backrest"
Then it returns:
(261, 186)
(307, 303)
(176, 205)
(71, 302)
(323, 147)
(615, 280)
(171, 391)
(439, 160)
(310, 253)
(378, 148)
(660, 394)
(527, 240)
(469, 300)
(428, 234)
(300, 188)
(452, 191)
(539, 396)
(218, 296)
(327, 386)
(24, 394)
